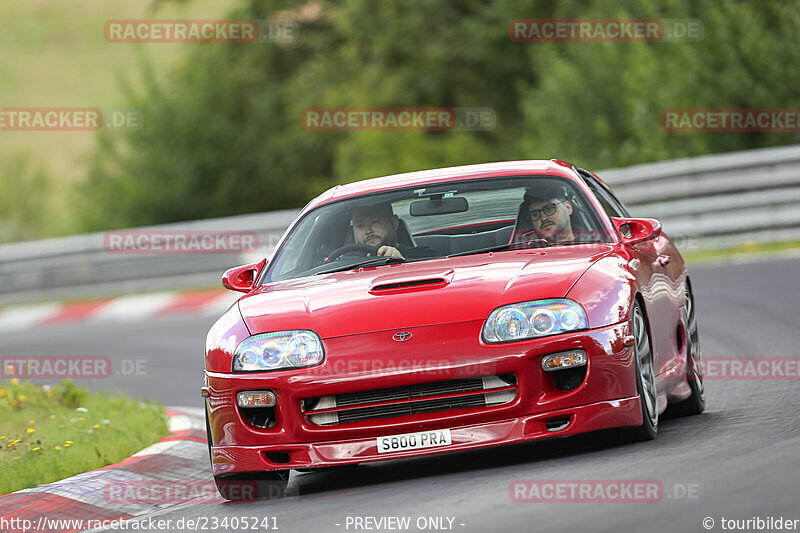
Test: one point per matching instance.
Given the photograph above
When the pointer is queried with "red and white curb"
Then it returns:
(120, 309)
(181, 459)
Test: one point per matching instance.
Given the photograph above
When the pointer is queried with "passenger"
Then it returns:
(377, 225)
(550, 212)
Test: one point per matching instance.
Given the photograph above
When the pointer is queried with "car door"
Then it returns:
(660, 282)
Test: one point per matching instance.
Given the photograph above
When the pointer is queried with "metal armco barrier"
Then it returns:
(713, 201)
(717, 201)
(81, 266)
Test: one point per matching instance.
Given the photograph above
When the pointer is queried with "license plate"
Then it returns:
(413, 441)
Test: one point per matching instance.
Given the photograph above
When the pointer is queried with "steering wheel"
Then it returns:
(529, 239)
(347, 248)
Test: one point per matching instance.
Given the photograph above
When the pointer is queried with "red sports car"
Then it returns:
(446, 310)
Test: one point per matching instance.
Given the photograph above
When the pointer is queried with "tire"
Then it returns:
(250, 485)
(696, 403)
(208, 436)
(645, 380)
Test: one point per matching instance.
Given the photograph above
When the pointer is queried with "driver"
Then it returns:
(549, 212)
(376, 225)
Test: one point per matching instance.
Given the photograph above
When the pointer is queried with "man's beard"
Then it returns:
(553, 232)
(373, 240)
(548, 228)
(377, 240)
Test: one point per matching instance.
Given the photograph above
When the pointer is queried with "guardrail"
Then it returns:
(712, 201)
(81, 265)
(717, 201)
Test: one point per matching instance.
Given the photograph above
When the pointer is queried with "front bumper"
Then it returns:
(606, 398)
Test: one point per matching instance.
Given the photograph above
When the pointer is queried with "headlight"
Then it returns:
(528, 320)
(278, 351)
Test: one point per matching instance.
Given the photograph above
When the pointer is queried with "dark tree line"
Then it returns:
(222, 135)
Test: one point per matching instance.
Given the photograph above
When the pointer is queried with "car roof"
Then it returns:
(551, 167)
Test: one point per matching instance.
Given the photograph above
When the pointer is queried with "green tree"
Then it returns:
(223, 134)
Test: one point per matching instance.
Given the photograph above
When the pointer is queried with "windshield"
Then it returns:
(435, 221)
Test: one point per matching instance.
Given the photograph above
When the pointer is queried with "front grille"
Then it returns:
(410, 391)
(429, 406)
(422, 398)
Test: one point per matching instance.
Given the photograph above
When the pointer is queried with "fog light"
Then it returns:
(255, 398)
(561, 360)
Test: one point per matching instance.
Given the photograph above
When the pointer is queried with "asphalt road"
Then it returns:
(738, 460)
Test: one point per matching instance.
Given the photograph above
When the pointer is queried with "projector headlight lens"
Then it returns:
(543, 321)
(570, 319)
(278, 351)
(529, 320)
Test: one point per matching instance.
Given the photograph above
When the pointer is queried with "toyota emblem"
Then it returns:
(402, 336)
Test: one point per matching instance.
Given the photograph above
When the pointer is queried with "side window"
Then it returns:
(296, 254)
(611, 205)
(615, 202)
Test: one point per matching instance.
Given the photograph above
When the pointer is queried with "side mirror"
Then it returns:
(634, 230)
(242, 278)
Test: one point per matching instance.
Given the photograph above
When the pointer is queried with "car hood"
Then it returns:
(418, 293)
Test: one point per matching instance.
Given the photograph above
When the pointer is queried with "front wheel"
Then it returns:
(645, 380)
(696, 403)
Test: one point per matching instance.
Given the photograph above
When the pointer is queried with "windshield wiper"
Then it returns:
(376, 261)
(482, 250)
(574, 243)
(534, 243)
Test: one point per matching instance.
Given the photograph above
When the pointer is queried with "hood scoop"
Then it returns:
(394, 286)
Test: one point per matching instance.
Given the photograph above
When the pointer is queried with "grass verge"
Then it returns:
(49, 432)
(744, 249)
